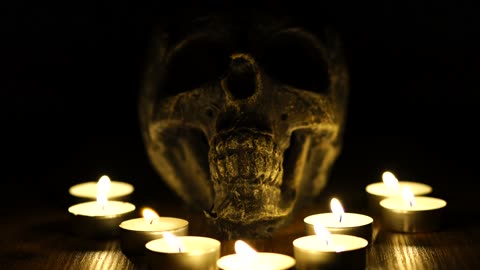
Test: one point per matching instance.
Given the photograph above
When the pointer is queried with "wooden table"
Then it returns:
(39, 238)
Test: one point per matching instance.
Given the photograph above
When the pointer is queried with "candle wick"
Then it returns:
(151, 221)
(340, 220)
(179, 249)
(411, 204)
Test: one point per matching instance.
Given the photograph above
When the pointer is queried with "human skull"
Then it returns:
(244, 119)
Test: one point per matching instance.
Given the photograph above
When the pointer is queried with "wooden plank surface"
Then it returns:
(39, 238)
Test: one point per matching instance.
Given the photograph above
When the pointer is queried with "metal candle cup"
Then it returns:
(424, 216)
(343, 252)
(351, 224)
(135, 233)
(198, 253)
(91, 220)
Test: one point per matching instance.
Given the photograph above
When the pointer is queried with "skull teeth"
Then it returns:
(247, 156)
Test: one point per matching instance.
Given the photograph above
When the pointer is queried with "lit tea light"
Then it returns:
(337, 209)
(391, 187)
(329, 251)
(410, 213)
(174, 242)
(115, 190)
(324, 235)
(408, 196)
(135, 233)
(339, 222)
(183, 252)
(246, 257)
(100, 217)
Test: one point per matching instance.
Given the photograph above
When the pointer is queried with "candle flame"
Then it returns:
(103, 184)
(174, 242)
(408, 196)
(102, 199)
(337, 208)
(103, 187)
(323, 233)
(390, 180)
(149, 215)
(243, 249)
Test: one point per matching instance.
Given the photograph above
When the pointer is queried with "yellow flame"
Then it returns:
(337, 208)
(408, 196)
(149, 215)
(102, 199)
(323, 233)
(243, 249)
(390, 180)
(174, 242)
(103, 184)
(103, 187)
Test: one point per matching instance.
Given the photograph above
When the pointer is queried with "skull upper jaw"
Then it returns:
(257, 207)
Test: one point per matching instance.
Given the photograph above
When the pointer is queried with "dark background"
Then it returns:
(71, 77)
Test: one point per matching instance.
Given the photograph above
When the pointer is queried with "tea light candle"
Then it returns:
(248, 258)
(99, 218)
(183, 252)
(412, 214)
(135, 233)
(339, 222)
(92, 219)
(391, 187)
(116, 190)
(329, 251)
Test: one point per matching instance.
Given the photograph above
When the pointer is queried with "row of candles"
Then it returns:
(332, 239)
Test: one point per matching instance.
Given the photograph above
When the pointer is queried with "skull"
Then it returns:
(243, 117)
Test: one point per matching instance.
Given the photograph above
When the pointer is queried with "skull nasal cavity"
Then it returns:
(240, 81)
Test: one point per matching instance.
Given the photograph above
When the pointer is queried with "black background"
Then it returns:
(71, 77)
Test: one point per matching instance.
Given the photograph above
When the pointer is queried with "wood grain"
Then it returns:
(40, 239)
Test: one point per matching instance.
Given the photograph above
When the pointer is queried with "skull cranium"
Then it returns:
(244, 124)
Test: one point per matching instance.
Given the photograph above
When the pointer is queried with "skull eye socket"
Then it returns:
(194, 63)
(294, 57)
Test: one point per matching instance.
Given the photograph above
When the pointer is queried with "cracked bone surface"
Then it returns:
(244, 123)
